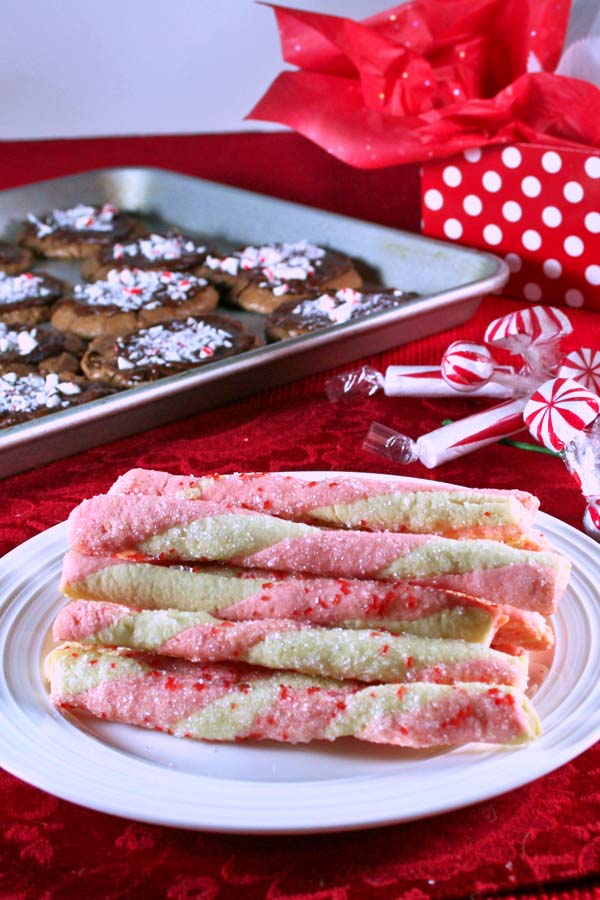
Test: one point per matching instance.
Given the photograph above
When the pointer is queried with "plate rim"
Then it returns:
(330, 818)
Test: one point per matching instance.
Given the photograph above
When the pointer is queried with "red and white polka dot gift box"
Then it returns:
(537, 207)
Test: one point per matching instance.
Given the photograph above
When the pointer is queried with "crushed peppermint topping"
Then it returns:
(27, 393)
(278, 263)
(187, 341)
(133, 289)
(158, 246)
(15, 288)
(19, 342)
(77, 218)
(344, 305)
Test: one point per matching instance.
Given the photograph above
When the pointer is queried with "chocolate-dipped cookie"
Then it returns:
(169, 250)
(77, 232)
(14, 259)
(41, 347)
(261, 278)
(321, 309)
(130, 299)
(165, 349)
(29, 298)
(25, 394)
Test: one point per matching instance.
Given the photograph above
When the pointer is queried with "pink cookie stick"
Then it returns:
(222, 702)
(341, 653)
(240, 595)
(450, 441)
(353, 502)
(161, 528)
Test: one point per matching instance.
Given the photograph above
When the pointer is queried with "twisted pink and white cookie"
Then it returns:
(340, 653)
(223, 702)
(167, 529)
(245, 594)
(359, 503)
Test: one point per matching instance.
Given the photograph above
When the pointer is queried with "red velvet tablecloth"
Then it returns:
(542, 840)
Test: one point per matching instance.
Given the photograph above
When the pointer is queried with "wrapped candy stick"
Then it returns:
(409, 381)
(352, 502)
(450, 441)
(242, 594)
(372, 656)
(162, 528)
(222, 702)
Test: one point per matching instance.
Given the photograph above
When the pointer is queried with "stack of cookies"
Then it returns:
(271, 607)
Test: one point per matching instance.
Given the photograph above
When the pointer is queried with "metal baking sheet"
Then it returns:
(451, 280)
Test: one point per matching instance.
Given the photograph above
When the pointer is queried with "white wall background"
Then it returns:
(76, 67)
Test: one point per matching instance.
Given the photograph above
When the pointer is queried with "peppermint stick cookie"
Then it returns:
(223, 702)
(130, 299)
(351, 502)
(244, 594)
(260, 278)
(77, 232)
(171, 530)
(372, 656)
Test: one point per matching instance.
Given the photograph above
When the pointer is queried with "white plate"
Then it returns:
(271, 788)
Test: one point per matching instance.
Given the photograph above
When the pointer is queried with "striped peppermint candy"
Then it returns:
(558, 410)
(582, 365)
(533, 325)
(591, 518)
(467, 366)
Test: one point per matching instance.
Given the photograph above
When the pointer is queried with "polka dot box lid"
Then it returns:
(538, 208)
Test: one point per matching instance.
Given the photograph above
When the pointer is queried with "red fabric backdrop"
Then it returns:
(540, 841)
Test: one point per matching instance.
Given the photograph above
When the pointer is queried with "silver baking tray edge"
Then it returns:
(450, 278)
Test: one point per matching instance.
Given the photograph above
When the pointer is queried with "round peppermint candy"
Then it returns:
(533, 325)
(582, 365)
(558, 410)
(591, 519)
(467, 366)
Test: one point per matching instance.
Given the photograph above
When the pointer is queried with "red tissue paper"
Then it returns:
(429, 79)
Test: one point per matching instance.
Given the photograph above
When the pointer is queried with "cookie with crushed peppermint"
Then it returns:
(169, 250)
(129, 299)
(14, 259)
(29, 298)
(261, 278)
(165, 349)
(39, 346)
(77, 232)
(296, 317)
(25, 394)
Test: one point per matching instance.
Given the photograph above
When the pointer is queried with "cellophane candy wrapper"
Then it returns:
(429, 79)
